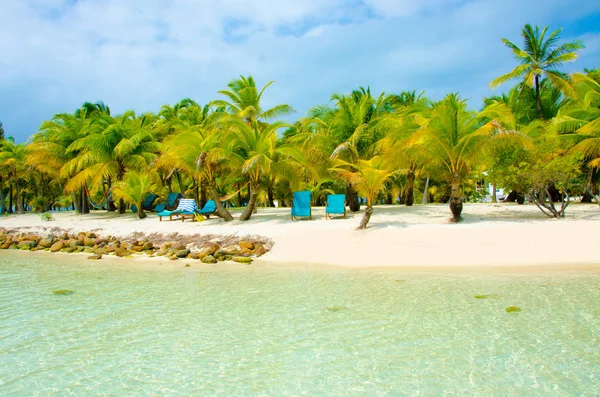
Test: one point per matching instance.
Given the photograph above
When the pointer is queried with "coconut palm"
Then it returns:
(113, 147)
(244, 101)
(347, 130)
(256, 147)
(368, 178)
(542, 57)
(133, 189)
(197, 152)
(454, 136)
(12, 162)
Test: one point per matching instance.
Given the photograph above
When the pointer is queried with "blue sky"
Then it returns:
(141, 54)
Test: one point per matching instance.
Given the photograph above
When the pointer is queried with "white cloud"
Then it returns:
(142, 54)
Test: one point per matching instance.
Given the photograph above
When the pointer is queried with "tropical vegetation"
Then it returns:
(540, 140)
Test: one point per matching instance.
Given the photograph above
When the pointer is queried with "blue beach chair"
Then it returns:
(147, 205)
(336, 205)
(172, 200)
(301, 205)
(209, 209)
(186, 209)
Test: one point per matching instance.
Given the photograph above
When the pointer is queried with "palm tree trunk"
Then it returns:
(366, 217)
(85, 206)
(122, 206)
(77, 202)
(10, 198)
(270, 199)
(141, 213)
(409, 197)
(456, 204)
(222, 211)
(538, 99)
(1, 195)
(424, 199)
(251, 202)
(239, 195)
(20, 208)
(181, 188)
(494, 198)
(352, 198)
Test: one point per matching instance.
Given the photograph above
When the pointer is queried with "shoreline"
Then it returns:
(503, 235)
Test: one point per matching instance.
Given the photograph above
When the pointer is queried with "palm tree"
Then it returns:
(542, 57)
(12, 161)
(197, 151)
(134, 188)
(453, 136)
(244, 101)
(347, 130)
(113, 147)
(368, 178)
(256, 147)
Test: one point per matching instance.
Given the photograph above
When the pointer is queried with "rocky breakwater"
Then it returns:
(204, 248)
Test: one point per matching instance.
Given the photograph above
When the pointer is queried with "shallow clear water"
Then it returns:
(249, 330)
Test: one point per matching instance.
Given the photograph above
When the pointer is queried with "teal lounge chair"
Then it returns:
(172, 201)
(336, 205)
(186, 209)
(209, 209)
(301, 205)
(147, 205)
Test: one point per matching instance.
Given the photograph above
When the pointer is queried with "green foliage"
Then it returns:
(513, 309)
(63, 292)
(46, 217)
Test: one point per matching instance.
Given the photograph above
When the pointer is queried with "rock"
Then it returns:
(173, 257)
(182, 253)
(208, 249)
(177, 246)
(227, 251)
(88, 250)
(6, 244)
(45, 243)
(195, 255)
(57, 246)
(161, 252)
(68, 250)
(124, 245)
(209, 259)
(165, 246)
(513, 309)
(95, 257)
(246, 245)
(100, 241)
(75, 243)
(147, 246)
(260, 250)
(89, 242)
(137, 248)
(100, 251)
(110, 248)
(121, 252)
(241, 259)
(79, 249)
(26, 245)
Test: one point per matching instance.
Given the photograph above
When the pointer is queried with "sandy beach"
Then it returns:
(418, 236)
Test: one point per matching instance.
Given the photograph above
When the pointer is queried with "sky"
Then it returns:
(142, 54)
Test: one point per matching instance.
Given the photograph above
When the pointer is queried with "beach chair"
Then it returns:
(336, 205)
(186, 209)
(173, 201)
(301, 205)
(209, 209)
(147, 205)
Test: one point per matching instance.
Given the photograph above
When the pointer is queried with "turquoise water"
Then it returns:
(264, 331)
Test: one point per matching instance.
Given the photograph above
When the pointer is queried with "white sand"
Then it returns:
(490, 235)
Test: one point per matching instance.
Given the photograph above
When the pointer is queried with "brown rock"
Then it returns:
(6, 244)
(209, 259)
(121, 252)
(75, 243)
(110, 248)
(182, 253)
(95, 257)
(260, 250)
(246, 245)
(89, 242)
(100, 251)
(165, 246)
(137, 248)
(147, 246)
(45, 243)
(195, 255)
(57, 246)
(68, 250)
